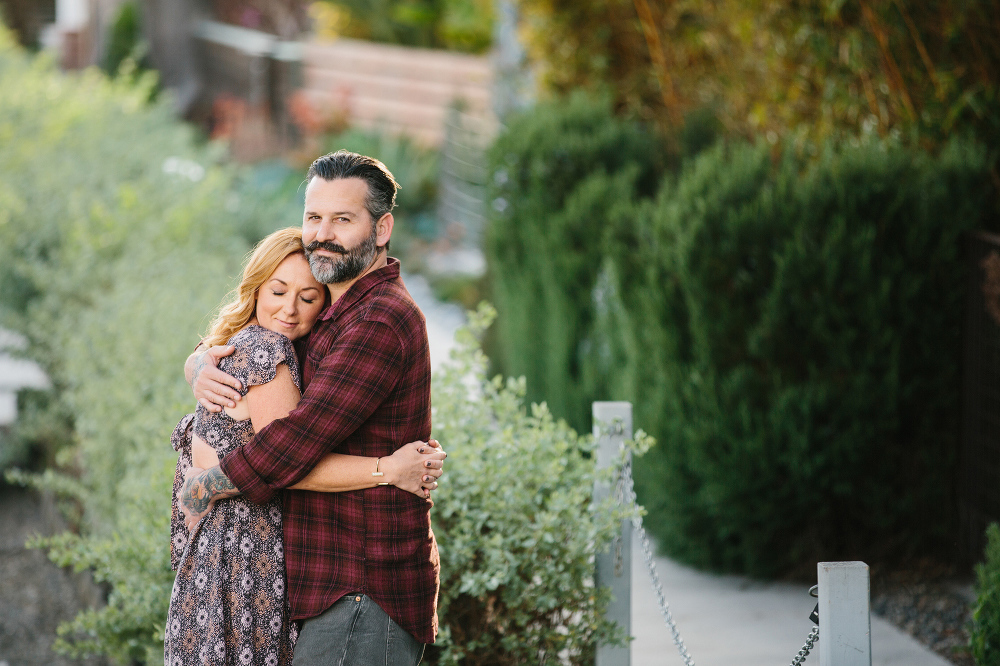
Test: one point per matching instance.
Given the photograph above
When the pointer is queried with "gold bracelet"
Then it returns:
(378, 473)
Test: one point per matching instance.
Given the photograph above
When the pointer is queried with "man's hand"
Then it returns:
(415, 467)
(213, 388)
(202, 488)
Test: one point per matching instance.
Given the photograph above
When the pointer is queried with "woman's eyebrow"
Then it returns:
(274, 279)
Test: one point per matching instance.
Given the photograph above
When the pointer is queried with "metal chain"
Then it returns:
(629, 496)
(800, 658)
(625, 491)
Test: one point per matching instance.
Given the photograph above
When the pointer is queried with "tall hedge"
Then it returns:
(787, 327)
(793, 336)
(559, 173)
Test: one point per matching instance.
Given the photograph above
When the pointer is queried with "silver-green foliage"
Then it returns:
(115, 243)
(515, 522)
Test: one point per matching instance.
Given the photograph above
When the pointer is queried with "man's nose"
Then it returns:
(325, 232)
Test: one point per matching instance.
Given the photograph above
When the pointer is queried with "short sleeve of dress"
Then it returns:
(258, 354)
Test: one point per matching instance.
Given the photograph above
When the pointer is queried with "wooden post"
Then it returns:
(612, 426)
(845, 634)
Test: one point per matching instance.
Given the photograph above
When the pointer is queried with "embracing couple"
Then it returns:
(302, 497)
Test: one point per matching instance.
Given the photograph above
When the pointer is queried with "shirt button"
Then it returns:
(357, 598)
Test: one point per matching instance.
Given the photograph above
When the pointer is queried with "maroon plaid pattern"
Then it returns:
(367, 377)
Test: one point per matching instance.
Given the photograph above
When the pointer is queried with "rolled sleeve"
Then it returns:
(356, 374)
(240, 471)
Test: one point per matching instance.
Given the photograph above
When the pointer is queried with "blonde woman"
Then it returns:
(228, 601)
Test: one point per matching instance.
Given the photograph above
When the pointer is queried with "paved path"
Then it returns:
(733, 621)
(443, 319)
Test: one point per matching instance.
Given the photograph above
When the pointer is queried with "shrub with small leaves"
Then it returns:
(515, 521)
(984, 634)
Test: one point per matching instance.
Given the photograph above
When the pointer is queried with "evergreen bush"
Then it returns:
(984, 633)
(559, 174)
(786, 325)
(790, 332)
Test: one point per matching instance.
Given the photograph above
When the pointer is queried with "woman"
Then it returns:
(228, 601)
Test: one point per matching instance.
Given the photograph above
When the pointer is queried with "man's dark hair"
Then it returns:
(345, 164)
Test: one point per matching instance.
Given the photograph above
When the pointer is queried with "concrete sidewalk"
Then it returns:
(734, 621)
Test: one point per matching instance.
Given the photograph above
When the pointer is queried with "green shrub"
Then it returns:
(124, 40)
(561, 174)
(787, 327)
(458, 25)
(115, 243)
(515, 523)
(790, 333)
(984, 634)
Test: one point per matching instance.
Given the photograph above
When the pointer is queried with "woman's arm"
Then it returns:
(415, 467)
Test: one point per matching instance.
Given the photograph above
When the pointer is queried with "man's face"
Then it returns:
(338, 233)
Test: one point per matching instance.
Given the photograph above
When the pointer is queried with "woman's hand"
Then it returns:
(415, 467)
(213, 388)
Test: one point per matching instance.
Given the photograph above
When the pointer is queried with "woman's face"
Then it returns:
(291, 299)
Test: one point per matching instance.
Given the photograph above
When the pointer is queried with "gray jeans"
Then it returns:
(355, 631)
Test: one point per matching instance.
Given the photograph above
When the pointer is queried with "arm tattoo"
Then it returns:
(200, 491)
(199, 365)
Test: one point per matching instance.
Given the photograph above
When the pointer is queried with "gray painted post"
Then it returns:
(614, 568)
(845, 634)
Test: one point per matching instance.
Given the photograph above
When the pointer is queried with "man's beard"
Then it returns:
(351, 263)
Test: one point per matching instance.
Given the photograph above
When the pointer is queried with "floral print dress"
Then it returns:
(228, 605)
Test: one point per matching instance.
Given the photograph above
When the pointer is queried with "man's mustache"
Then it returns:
(326, 245)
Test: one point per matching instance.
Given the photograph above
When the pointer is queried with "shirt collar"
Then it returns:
(368, 282)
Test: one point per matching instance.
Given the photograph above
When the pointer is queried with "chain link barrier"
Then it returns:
(625, 496)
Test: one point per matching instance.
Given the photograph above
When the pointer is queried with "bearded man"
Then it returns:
(362, 566)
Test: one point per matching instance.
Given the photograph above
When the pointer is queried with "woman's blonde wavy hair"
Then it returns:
(241, 302)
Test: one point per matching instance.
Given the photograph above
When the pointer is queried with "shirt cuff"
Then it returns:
(238, 470)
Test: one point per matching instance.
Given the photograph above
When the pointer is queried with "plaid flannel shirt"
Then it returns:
(367, 392)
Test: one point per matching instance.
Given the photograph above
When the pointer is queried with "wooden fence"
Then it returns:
(400, 89)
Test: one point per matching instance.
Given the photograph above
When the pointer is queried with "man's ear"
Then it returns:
(383, 229)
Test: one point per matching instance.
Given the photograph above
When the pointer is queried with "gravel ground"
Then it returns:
(933, 607)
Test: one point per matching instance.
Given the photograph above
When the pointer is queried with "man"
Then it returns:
(362, 566)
